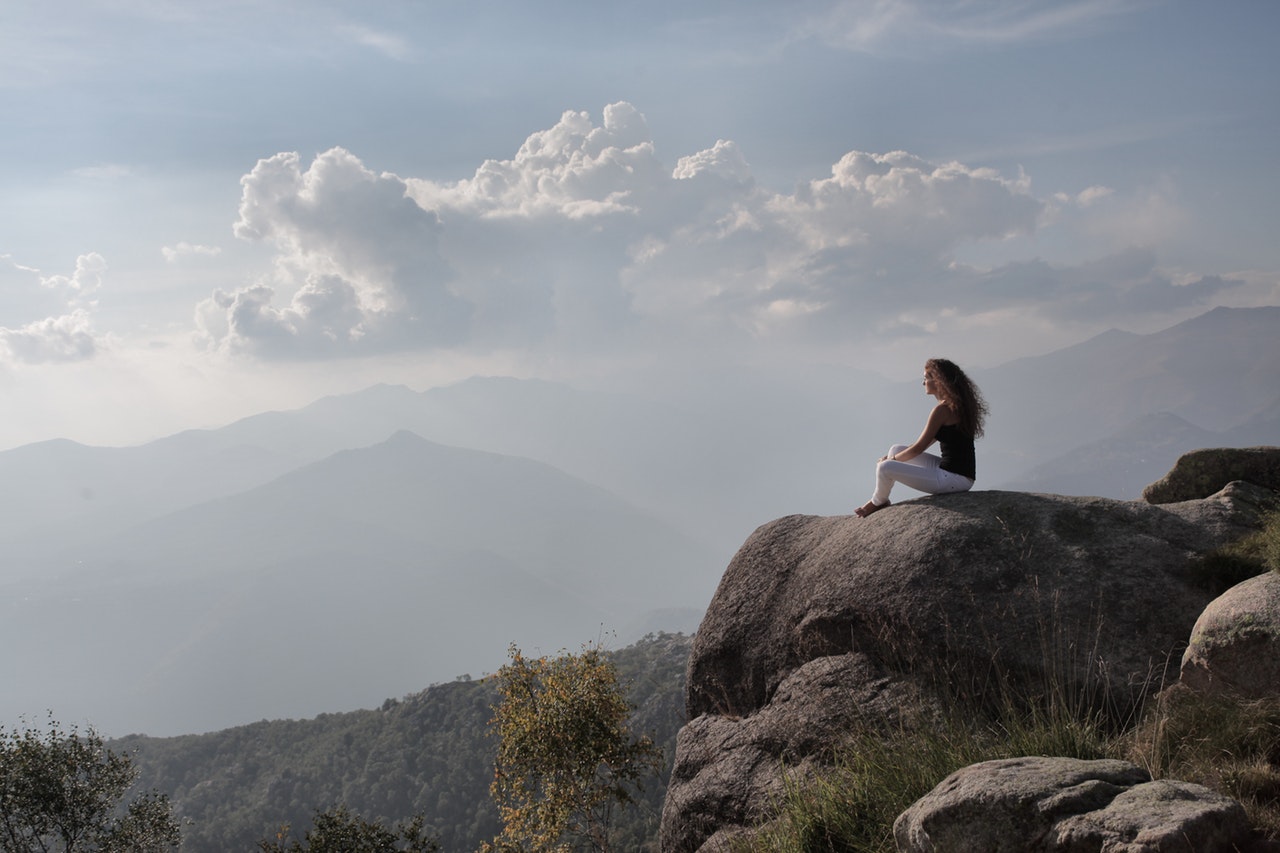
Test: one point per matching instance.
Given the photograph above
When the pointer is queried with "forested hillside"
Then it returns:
(426, 753)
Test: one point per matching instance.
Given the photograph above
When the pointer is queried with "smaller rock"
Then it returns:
(1067, 805)
(1235, 644)
(731, 771)
(1157, 816)
(1201, 473)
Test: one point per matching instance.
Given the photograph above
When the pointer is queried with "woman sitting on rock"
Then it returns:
(954, 423)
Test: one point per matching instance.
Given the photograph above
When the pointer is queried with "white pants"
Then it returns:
(924, 474)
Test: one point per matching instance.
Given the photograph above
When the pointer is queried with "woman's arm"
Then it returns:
(939, 416)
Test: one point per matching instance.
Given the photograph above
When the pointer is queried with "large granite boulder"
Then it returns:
(1065, 805)
(1201, 473)
(820, 624)
(1235, 644)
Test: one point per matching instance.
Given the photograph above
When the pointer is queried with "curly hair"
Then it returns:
(958, 391)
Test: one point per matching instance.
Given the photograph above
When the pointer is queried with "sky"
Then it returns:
(211, 209)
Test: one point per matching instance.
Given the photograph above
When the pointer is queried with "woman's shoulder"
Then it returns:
(946, 415)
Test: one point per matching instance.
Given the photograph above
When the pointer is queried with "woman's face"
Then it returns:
(930, 384)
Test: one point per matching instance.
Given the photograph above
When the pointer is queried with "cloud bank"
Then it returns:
(585, 240)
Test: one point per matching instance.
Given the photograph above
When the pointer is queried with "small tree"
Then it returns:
(565, 757)
(63, 791)
(339, 831)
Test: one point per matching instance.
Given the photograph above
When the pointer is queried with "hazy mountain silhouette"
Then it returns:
(1217, 372)
(290, 639)
(384, 499)
(368, 573)
(1121, 465)
(404, 537)
(1262, 428)
(716, 454)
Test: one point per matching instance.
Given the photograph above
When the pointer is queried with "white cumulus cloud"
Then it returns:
(573, 169)
(357, 264)
(723, 160)
(68, 335)
(82, 283)
(585, 241)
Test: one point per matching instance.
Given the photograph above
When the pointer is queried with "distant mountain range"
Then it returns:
(369, 573)
(1120, 465)
(1110, 415)
(324, 558)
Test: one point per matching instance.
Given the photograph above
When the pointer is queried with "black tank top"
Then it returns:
(957, 451)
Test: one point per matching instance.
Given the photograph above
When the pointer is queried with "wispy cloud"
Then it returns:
(391, 45)
(103, 172)
(1121, 134)
(185, 249)
(893, 25)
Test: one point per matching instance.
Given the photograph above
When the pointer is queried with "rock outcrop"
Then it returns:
(1201, 473)
(1235, 644)
(1065, 805)
(821, 625)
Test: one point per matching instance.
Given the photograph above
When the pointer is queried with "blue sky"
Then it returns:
(210, 209)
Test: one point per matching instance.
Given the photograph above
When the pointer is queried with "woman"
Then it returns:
(954, 423)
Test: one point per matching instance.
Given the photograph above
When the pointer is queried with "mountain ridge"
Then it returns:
(700, 460)
(368, 555)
